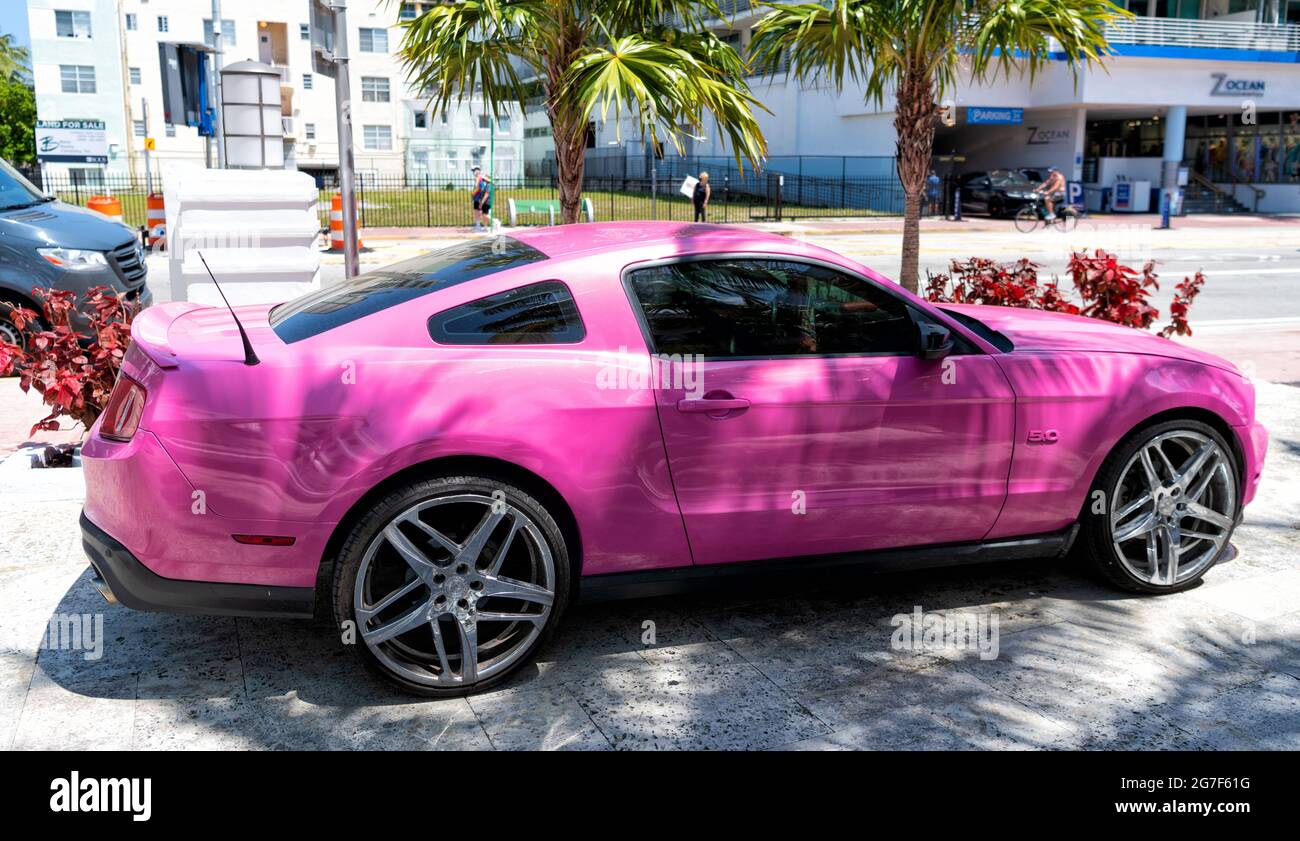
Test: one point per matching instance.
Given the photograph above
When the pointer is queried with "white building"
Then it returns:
(98, 59)
(1212, 84)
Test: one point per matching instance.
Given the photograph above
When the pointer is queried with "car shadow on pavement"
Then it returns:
(814, 662)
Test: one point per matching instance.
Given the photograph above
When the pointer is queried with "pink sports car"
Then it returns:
(445, 451)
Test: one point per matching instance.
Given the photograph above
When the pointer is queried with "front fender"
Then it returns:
(1090, 402)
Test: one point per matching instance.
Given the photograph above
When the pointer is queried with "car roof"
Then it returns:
(583, 238)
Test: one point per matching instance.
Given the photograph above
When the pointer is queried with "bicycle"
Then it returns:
(1033, 213)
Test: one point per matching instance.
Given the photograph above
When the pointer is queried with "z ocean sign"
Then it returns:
(72, 141)
(1224, 86)
(995, 116)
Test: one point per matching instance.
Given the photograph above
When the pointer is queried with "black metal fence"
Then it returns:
(77, 190)
(622, 188)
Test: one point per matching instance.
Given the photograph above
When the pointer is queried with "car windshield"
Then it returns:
(1005, 178)
(16, 191)
(368, 293)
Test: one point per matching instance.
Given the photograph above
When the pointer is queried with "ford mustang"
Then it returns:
(445, 452)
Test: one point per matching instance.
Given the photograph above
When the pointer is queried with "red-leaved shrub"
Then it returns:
(73, 372)
(1106, 289)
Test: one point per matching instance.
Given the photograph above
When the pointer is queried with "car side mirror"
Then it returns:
(936, 340)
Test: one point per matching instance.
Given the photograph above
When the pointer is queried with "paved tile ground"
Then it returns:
(803, 667)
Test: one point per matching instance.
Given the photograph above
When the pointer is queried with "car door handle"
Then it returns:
(712, 405)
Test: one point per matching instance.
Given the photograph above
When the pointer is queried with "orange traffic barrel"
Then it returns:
(155, 221)
(336, 224)
(107, 205)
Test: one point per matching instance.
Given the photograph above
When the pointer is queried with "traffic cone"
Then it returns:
(336, 224)
(155, 221)
(107, 205)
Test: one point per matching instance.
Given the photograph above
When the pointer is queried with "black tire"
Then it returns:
(1094, 544)
(1026, 219)
(8, 331)
(367, 531)
(1067, 219)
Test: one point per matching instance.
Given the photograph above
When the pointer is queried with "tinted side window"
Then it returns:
(537, 314)
(756, 308)
(377, 290)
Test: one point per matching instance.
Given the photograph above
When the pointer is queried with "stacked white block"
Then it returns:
(256, 229)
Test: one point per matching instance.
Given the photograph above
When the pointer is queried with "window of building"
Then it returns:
(87, 176)
(309, 131)
(537, 314)
(451, 160)
(134, 74)
(374, 89)
(306, 81)
(77, 78)
(503, 124)
(163, 26)
(131, 23)
(379, 138)
(227, 32)
(484, 121)
(72, 24)
(304, 31)
(421, 119)
(408, 11)
(420, 159)
(374, 40)
(137, 126)
(725, 309)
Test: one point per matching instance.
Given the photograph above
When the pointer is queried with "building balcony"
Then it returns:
(1204, 35)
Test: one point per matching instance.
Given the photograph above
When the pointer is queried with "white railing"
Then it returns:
(1214, 34)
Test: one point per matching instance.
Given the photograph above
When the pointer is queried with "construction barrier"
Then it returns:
(107, 205)
(155, 221)
(336, 224)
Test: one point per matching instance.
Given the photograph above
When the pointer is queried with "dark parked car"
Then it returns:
(46, 243)
(997, 192)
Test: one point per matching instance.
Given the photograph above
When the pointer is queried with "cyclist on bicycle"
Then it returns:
(1052, 190)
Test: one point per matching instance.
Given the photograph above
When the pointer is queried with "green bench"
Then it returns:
(520, 207)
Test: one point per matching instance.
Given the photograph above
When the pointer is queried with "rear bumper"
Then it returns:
(123, 579)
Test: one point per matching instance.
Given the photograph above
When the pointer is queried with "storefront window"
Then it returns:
(1291, 147)
(1270, 148)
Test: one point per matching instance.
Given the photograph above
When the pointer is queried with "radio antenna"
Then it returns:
(250, 358)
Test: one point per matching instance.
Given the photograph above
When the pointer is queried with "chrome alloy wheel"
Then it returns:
(454, 589)
(1172, 509)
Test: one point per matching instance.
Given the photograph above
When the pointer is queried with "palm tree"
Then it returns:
(13, 59)
(650, 59)
(919, 49)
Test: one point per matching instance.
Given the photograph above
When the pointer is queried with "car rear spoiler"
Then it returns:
(149, 330)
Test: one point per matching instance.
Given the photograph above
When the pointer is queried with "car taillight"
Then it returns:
(122, 415)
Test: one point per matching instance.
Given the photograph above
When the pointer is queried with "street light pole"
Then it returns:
(148, 168)
(343, 103)
(218, 133)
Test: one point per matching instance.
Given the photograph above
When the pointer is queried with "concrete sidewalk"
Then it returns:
(808, 664)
